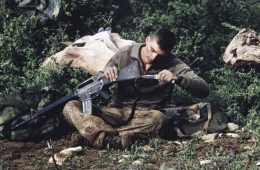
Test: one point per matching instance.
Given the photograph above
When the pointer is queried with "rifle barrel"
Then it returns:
(48, 108)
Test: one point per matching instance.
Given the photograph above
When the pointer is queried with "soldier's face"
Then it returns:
(152, 50)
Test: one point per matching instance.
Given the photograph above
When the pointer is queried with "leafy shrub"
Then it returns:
(253, 127)
(86, 16)
(25, 42)
(60, 77)
(235, 93)
(17, 48)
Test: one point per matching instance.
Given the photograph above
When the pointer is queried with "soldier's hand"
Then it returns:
(166, 76)
(111, 73)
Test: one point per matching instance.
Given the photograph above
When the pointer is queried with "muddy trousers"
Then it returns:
(107, 122)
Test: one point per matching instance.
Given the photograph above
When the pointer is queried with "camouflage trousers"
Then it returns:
(106, 121)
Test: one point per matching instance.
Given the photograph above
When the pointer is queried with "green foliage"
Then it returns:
(18, 52)
(198, 25)
(25, 42)
(187, 155)
(253, 127)
(235, 92)
(4, 165)
(86, 16)
(59, 77)
(222, 161)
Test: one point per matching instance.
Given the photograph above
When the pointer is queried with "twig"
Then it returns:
(249, 162)
(52, 155)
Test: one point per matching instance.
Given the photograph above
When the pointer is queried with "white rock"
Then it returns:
(233, 135)
(148, 148)
(232, 127)
(247, 147)
(209, 138)
(177, 143)
(184, 142)
(64, 154)
(69, 151)
(126, 156)
(57, 158)
(121, 161)
(137, 162)
(258, 163)
(204, 162)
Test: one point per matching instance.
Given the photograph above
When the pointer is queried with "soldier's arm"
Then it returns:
(111, 69)
(188, 80)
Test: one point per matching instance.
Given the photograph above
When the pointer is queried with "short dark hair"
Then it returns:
(165, 39)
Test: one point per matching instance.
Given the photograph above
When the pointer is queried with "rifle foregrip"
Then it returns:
(87, 106)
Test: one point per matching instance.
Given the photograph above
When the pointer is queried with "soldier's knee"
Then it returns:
(157, 115)
(72, 106)
(158, 118)
(72, 103)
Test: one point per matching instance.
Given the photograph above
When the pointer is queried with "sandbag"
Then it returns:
(91, 53)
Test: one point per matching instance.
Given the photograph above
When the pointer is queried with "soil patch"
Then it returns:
(160, 153)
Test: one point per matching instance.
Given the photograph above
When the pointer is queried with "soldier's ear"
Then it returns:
(147, 39)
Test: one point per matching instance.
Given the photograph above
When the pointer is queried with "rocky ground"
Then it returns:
(217, 151)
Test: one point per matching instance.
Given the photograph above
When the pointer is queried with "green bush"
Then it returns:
(253, 127)
(235, 92)
(60, 77)
(25, 42)
(17, 49)
(86, 16)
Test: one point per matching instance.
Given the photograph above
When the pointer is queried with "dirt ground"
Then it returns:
(225, 151)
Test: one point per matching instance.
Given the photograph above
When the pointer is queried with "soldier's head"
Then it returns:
(164, 38)
(158, 44)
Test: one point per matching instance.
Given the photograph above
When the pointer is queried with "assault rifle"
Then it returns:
(88, 90)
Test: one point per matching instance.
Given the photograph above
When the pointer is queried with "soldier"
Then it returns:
(106, 125)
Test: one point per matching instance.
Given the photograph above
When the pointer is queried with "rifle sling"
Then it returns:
(137, 91)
